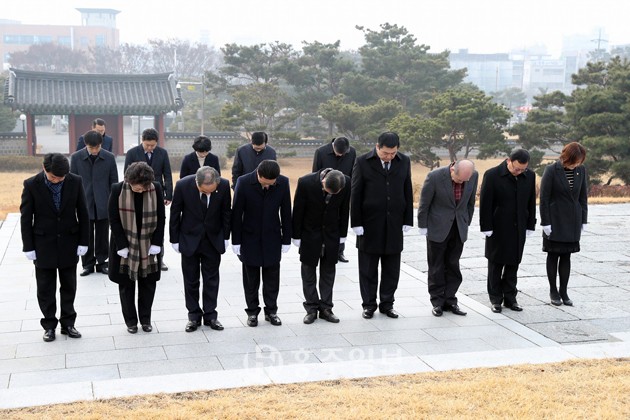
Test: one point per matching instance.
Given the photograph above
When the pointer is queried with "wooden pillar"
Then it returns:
(120, 137)
(159, 126)
(30, 135)
(72, 134)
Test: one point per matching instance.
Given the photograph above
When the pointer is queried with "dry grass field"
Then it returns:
(11, 182)
(576, 389)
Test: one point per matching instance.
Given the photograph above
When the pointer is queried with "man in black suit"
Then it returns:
(199, 230)
(249, 156)
(381, 209)
(54, 223)
(339, 155)
(447, 204)
(98, 170)
(200, 157)
(158, 160)
(98, 125)
(261, 232)
(320, 225)
(507, 214)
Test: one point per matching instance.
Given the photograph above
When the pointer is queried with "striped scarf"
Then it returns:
(139, 263)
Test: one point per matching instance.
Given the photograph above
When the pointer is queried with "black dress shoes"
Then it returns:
(514, 306)
(342, 258)
(455, 309)
(368, 313)
(192, 326)
(310, 317)
(147, 327)
(133, 329)
(496, 308)
(49, 335)
(252, 321)
(437, 311)
(328, 315)
(86, 271)
(567, 301)
(70, 331)
(273, 318)
(555, 299)
(214, 324)
(164, 267)
(103, 269)
(390, 313)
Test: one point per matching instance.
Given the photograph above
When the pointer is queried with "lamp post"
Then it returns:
(23, 119)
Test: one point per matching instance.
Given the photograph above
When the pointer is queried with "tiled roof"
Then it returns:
(68, 93)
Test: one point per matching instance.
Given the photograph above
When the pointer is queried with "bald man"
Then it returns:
(447, 204)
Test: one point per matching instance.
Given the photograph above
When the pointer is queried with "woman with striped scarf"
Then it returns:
(136, 217)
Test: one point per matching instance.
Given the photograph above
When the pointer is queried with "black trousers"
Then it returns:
(206, 259)
(46, 280)
(313, 302)
(445, 276)
(368, 279)
(98, 244)
(270, 288)
(502, 283)
(146, 293)
(342, 248)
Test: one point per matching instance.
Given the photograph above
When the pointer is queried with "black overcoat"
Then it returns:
(190, 164)
(325, 157)
(381, 202)
(160, 163)
(316, 223)
(564, 209)
(507, 207)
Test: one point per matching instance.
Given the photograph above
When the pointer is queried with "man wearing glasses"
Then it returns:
(507, 211)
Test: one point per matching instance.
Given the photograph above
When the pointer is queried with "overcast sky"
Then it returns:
(482, 26)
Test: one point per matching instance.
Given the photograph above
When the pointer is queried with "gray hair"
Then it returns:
(465, 162)
(207, 175)
(334, 180)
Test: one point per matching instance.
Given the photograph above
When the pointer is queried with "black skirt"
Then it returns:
(560, 247)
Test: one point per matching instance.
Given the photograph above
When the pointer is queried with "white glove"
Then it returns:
(236, 249)
(154, 249)
(583, 227)
(176, 247)
(123, 252)
(342, 240)
(358, 230)
(297, 242)
(406, 228)
(30, 255)
(81, 250)
(285, 248)
(547, 230)
(226, 243)
(529, 233)
(488, 233)
(423, 231)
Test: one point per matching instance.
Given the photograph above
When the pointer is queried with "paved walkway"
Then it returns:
(109, 362)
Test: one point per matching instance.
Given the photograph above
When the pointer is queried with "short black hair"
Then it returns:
(520, 155)
(93, 138)
(202, 144)
(98, 121)
(150, 134)
(268, 169)
(139, 173)
(388, 139)
(341, 145)
(334, 181)
(259, 137)
(57, 164)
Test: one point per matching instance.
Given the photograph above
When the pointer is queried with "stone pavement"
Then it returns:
(108, 362)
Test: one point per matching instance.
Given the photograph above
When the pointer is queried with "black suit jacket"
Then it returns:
(188, 225)
(325, 157)
(316, 223)
(382, 202)
(261, 220)
(108, 143)
(566, 210)
(190, 164)
(159, 162)
(54, 236)
(507, 207)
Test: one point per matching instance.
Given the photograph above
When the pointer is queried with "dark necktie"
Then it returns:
(148, 157)
(204, 203)
(386, 165)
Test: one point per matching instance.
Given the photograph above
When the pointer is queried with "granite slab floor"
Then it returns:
(108, 362)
